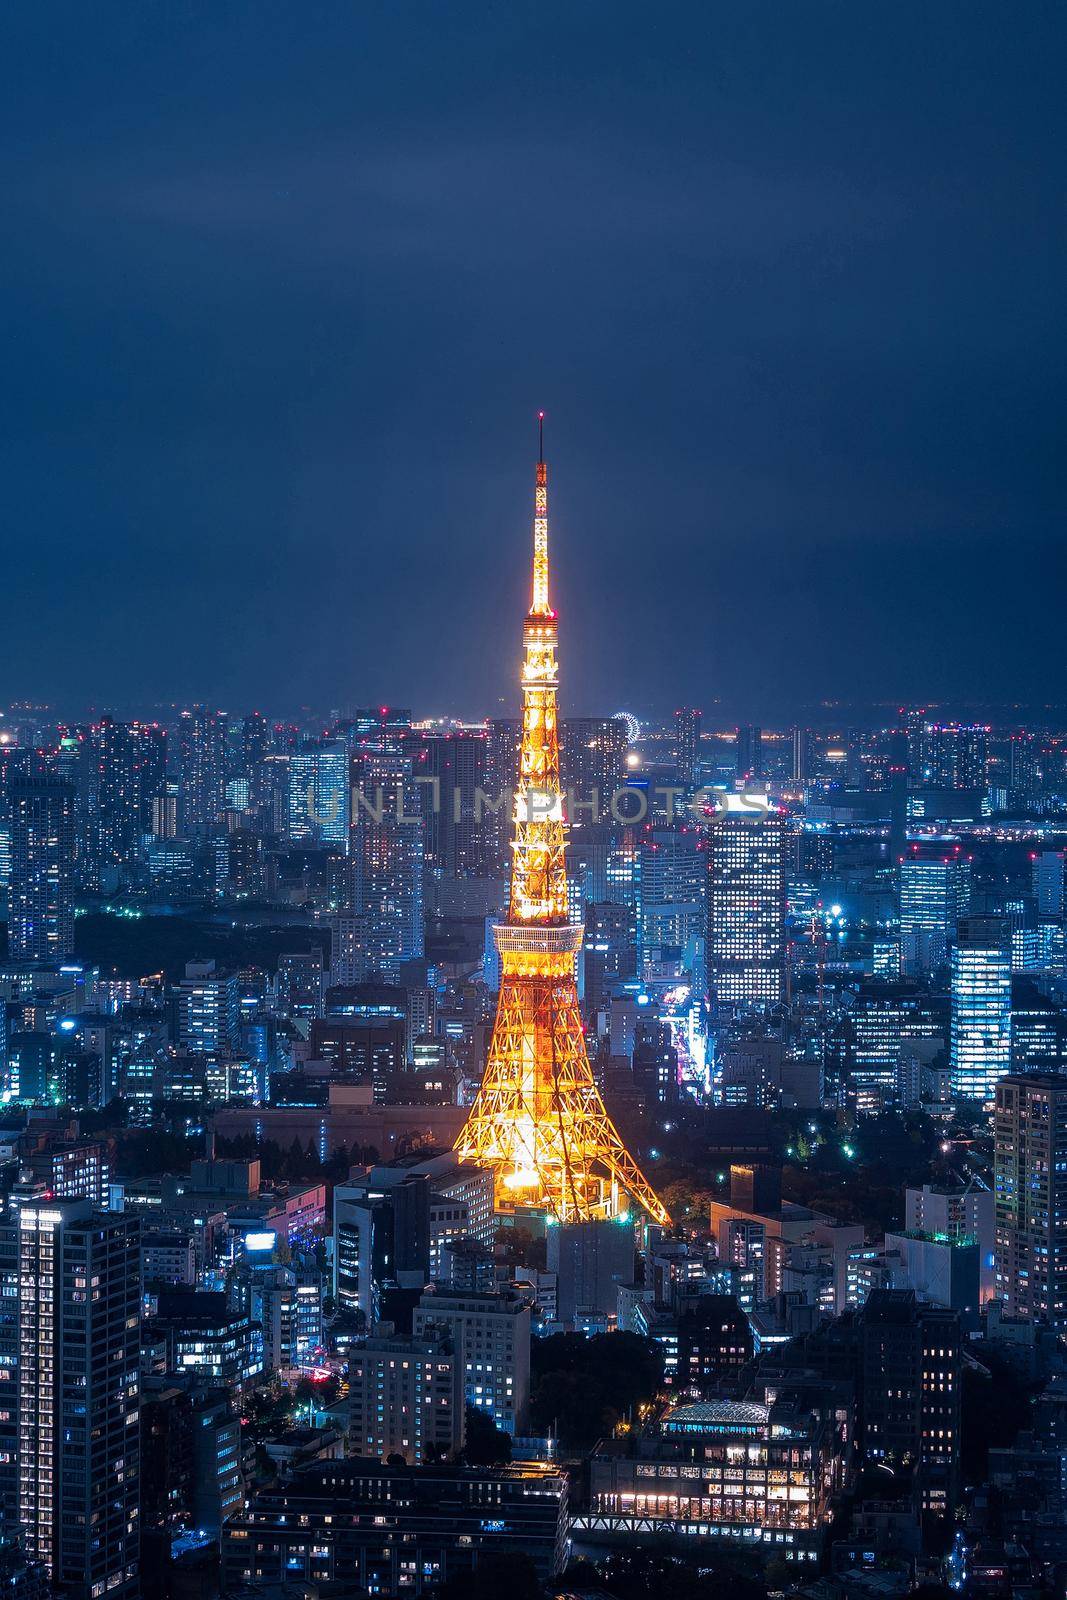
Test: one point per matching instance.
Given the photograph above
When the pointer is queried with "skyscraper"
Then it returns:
(451, 767)
(501, 770)
(801, 751)
(912, 1372)
(1048, 883)
(954, 755)
(746, 904)
(387, 855)
(592, 764)
(202, 753)
(935, 892)
(749, 753)
(319, 794)
(41, 896)
(78, 1395)
(672, 899)
(538, 1121)
(981, 1007)
(687, 742)
(1023, 751)
(255, 747)
(1030, 1196)
(127, 772)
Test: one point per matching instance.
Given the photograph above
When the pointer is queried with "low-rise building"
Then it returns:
(405, 1398)
(758, 1475)
(395, 1530)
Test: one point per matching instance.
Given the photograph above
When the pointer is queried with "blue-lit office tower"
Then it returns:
(127, 771)
(77, 1394)
(387, 858)
(980, 1051)
(882, 1020)
(40, 924)
(935, 892)
(202, 754)
(687, 743)
(749, 753)
(672, 903)
(208, 1011)
(746, 904)
(1048, 880)
(319, 794)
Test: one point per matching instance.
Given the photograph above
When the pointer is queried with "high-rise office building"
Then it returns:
(319, 794)
(387, 856)
(501, 779)
(381, 1236)
(450, 771)
(1030, 1196)
(202, 755)
(1038, 1029)
(914, 730)
(78, 1394)
(884, 1018)
(592, 765)
(208, 1011)
(935, 892)
(687, 743)
(1023, 782)
(672, 898)
(801, 754)
(746, 904)
(127, 764)
(912, 1382)
(749, 752)
(980, 1050)
(1047, 876)
(954, 755)
(255, 748)
(41, 895)
(610, 951)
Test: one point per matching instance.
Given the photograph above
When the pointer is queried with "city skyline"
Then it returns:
(533, 1062)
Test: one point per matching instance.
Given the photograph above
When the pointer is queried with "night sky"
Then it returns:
(282, 288)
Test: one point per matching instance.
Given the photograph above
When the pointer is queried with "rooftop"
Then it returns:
(716, 1414)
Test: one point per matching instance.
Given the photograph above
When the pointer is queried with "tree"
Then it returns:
(485, 1444)
(498, 1572)
(582, 1387)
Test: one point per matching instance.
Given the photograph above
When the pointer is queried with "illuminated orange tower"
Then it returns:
(538, 1120)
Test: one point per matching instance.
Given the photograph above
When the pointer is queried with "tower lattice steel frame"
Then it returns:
(539, 1121)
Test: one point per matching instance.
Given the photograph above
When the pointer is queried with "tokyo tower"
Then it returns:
(538, 1120)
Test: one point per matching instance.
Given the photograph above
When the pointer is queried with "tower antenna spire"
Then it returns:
(540, 438)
